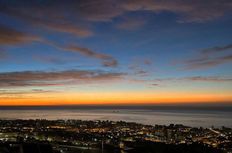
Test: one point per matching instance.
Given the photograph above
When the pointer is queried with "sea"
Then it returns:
(195, 116)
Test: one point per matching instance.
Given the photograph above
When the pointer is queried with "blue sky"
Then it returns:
(147, 45)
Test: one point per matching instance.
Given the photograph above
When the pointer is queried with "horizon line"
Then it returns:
(126, 104)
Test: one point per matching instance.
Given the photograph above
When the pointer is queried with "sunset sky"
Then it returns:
(58, 52)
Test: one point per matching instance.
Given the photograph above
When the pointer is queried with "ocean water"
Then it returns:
(195, 116)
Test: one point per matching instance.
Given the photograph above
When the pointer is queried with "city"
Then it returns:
(115, 76)
(67, 136)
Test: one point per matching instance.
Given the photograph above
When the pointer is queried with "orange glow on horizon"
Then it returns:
(115, 98)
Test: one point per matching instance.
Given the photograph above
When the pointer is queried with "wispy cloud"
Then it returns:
(19, 92)
(10, 36)
(162, 82)
(208, 62)
(58, 78)
(131, 23)
(210, 57)
(196, 79)
(22, 94)
(140, 67)
(165, 82)
(72, 29)
(208, 79)
(107, 60)
(107, 10)
(46, 17)
(217, 49)
(188, 11)
(101, 10)
(154, 84)
(51, 59)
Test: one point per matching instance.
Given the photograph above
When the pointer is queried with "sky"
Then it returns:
(68, 52)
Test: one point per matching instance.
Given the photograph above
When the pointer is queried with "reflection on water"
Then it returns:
(195, 118)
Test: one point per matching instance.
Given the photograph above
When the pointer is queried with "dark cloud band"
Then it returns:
(210, 57)
(41, 78)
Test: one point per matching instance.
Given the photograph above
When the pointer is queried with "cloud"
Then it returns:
(140, 67)
(107, 60)
(197, 79)
(69, 12)
(22, 94)
(154, 84)
(162, 82)
(141, 72)
(131, 23)
(217, 49)
(100, 10)
(208, 62)
(110, 62)
(147, 62)
(9, 36)
(51, 59)
(210, 57)
(58, 78)
(188, 11)
(67, 28)
(46, 16)
(19, 92)
(208, 79)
